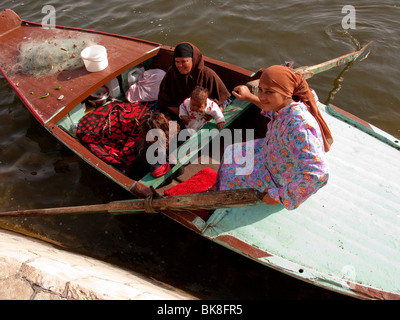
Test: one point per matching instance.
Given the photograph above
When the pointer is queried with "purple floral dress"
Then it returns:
(289, 162)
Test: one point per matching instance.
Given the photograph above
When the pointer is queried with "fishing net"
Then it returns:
(51, 55)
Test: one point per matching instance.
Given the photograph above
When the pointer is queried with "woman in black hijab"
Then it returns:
(188, 71)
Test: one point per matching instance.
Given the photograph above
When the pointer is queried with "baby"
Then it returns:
(197, 110)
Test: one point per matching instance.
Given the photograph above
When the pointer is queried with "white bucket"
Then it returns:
(95, 58)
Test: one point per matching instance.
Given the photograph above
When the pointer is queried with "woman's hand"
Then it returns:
(268, 200)
(242, 92)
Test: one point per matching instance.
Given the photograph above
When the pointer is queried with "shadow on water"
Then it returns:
(338, 81)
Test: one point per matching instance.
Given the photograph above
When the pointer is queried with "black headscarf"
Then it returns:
(183, 50)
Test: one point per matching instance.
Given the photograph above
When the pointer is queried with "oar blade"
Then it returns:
(309, 71)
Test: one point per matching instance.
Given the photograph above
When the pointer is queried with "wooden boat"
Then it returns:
(345, 238)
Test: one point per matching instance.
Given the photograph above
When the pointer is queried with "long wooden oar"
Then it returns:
(309, 71)
(206, 200)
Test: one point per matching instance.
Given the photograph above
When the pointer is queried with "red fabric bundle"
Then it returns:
(111, 132)
(200, 182)
(160, 170)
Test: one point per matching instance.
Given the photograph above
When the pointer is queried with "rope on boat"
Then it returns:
(147, 204)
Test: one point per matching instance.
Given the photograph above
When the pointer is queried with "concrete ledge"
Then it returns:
(33, 270)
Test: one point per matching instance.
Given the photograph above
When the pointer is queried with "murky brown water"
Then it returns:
(37, 172)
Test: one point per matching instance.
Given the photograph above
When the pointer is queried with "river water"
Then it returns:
(36, 171)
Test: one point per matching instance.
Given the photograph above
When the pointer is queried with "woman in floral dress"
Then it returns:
(289, 163)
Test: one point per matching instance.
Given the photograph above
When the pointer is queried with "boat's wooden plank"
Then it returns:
(76, 84)
(198, 141)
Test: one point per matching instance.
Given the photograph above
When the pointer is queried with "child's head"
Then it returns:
(154, 120)
(198, 99)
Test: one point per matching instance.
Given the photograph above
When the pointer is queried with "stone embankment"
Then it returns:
(34, 270)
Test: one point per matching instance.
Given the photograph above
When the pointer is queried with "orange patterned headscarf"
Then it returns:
(291, 84)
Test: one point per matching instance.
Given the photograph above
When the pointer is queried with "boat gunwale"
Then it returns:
(362, 125)
(326, 281)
